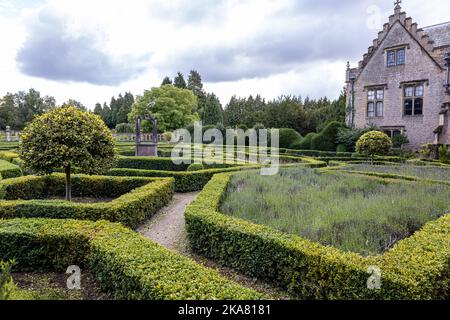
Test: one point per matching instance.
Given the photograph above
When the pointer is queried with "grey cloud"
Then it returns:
(50, 53)
(311, 37)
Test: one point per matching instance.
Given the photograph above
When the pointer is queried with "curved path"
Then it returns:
(167, 228)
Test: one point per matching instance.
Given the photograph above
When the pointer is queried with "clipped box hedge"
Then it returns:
(125, 264)
(9, 170)
(416, 268)
(136, 199)
(185, 181)
(189, 181)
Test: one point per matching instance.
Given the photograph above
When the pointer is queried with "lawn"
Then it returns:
(424, 172)
(363, 215)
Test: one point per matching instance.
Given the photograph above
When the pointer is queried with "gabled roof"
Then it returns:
(429, 38)
(439, 34)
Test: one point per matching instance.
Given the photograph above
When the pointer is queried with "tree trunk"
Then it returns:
(68, 184)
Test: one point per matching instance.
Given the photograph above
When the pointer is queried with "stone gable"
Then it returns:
(423, 65)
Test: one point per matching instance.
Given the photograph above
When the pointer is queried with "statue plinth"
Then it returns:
(147, 150)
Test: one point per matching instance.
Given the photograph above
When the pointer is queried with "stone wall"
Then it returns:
(419, 66)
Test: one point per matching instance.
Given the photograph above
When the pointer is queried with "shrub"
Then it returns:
(349, 137)
(341, 148)
(416, 268)
(399, 140)
(288, 137)
(8, 155)
(196, 167)
(326, 139)
(67, 138)
(7, 286)
(443, 154)
(124, 128)
(305, 143)
(373, 144)
(136, 199)
(9, 170)
(125, 264)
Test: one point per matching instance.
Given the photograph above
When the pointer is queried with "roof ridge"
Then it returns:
(436, 25)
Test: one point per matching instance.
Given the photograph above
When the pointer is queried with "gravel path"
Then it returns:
(167, 227)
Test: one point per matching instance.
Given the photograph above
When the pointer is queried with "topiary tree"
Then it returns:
(326, 139)
(374, 143)
(305, 143)
(67, 138)
(288, 137)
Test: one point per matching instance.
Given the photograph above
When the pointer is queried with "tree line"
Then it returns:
(178, 102)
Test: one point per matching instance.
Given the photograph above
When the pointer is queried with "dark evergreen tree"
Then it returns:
(166, 80)
(213, 111)
(179, 81)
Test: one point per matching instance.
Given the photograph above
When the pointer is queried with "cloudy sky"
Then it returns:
(90, 50)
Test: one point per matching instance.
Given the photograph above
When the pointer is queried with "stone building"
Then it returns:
(402, 83)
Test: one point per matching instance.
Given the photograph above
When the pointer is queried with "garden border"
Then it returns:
(411, 270)
(124, 263)
(131, 208)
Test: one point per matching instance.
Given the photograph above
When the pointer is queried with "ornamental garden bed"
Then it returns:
(433, 173)
(335, 209)
(122, 263)
(130, 200)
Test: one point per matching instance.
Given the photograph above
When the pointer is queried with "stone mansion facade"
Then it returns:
(402, 84)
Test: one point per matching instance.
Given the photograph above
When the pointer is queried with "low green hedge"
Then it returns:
(8, 155)
(124, 264)
(186, 181)
(9, 170)
(136, 199)
(416, 268)
(163, 164)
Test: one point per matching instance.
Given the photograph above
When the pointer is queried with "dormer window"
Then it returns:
(396, 57)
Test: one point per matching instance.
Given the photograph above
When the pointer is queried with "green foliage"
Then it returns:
(213, 111)
(74, 103)
(166, 81)
(187, 181)
(124, 128)
(9, 170)
(326, 139)
(117, 111)
(349, 137)
(297, 201)
(399, 140)
(196, 167)
(67, 138)
(305, 143)
(8, 155)
(444, 154)
(416, 268)
(341, 148)
(174, 107)
(16, 110)
(302, 115)
(288, 137)
(7, 286)
(135, 199)
(179, 81)
(374, 143)
(125, 264)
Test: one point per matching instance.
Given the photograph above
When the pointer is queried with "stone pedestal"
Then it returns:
(147, 150)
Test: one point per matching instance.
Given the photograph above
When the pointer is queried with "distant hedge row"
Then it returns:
(416, 268)
(134, 199)
(186, 181)
(9, 170)
(124, 264)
